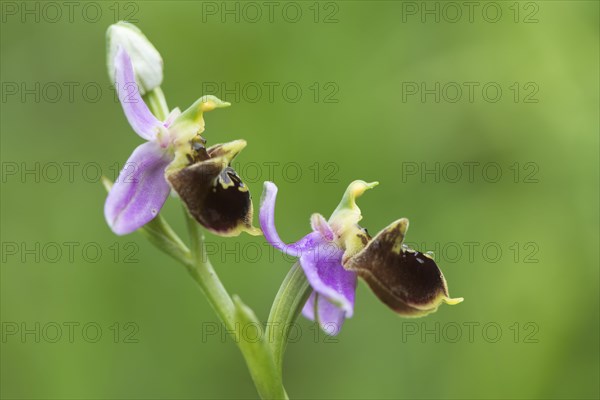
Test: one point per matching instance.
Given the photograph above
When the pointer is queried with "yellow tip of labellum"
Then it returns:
(453, 302)
(254, 231)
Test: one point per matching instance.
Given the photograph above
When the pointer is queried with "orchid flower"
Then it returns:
(338, 251)
(174, 156)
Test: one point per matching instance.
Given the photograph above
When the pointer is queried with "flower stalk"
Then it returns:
(264, 368)
(235, 315)
(291, 297)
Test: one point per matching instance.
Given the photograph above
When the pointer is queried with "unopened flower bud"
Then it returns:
(146, 60)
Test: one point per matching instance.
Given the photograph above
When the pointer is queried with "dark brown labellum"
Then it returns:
(215, 196)
(407, 281)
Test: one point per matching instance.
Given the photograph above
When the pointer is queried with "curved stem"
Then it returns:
(234, 314)
(203, 273)
(162, 236)
(291, 297)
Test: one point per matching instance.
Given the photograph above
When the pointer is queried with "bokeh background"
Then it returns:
(529, 326)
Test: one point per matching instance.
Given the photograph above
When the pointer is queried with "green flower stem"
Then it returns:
(235, 316)
(162, 236)
(264, 368)
(291, 297)
(203, 273)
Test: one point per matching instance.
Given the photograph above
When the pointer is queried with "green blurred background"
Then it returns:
(533, 309)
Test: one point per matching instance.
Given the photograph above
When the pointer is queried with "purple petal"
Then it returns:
(143, 122)
(267, 224)
(140, 191)
(318, 223)
(172, 117)
(331, 318)
(309, 308)
(324, 271)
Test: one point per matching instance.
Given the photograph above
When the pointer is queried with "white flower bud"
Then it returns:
(147, 62)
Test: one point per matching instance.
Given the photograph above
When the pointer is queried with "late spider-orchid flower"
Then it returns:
(174, 156)
(338, 250)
